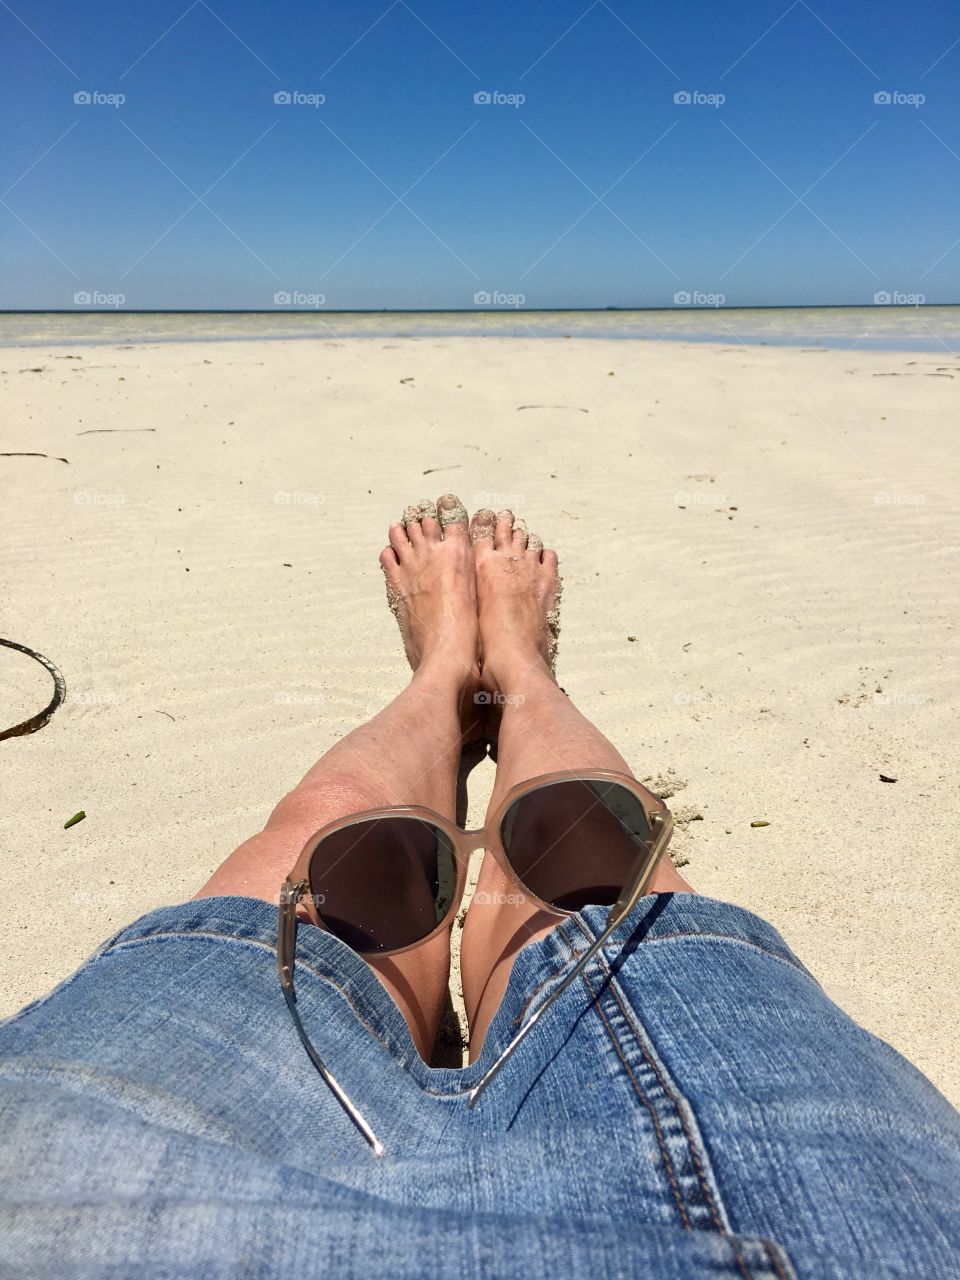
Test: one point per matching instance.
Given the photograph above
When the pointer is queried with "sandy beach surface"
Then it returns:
(760, 557)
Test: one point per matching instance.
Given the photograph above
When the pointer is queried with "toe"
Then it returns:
(548, 558)
(452, 515)
(482, 525)
(398, 538)
(429, 523)
(535, 544)
(519, 534)
(388, 561)
(411, 522)
(503, 531)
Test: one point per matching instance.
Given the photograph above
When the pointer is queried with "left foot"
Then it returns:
(432, 592)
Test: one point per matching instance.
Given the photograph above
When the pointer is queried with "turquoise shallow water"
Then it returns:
(881, 327)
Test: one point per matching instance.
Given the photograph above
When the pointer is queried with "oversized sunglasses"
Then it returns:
(386, 880)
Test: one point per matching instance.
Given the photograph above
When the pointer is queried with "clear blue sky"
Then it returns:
(401, 191)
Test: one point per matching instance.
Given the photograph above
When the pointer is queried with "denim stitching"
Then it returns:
(550, 976)
(671, 1095)
(460, 1093)
(773, 1252)
(668, 1089)
(658, 1131)
(724, 937)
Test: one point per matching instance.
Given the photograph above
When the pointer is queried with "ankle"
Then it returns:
(446, 673)
(516, 672)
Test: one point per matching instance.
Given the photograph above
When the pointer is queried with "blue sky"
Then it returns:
(400, 190)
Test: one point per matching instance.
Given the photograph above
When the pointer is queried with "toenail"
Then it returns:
(452, 511)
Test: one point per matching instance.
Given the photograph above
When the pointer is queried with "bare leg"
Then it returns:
(541, 731)
(407, 754)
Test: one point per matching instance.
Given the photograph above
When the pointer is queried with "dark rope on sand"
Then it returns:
(59, 693)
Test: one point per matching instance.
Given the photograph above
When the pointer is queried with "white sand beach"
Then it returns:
(760, 556)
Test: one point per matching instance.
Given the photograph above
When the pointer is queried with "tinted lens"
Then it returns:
(383, 883)
(575, 843)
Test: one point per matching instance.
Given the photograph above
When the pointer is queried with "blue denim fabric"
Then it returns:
(694, 1107)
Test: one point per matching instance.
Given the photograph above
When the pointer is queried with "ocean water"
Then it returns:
(881, 327)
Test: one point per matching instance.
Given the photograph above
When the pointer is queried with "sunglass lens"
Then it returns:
(383, 883)
(575, 843)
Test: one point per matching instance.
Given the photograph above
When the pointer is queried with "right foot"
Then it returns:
(518, 593)
(431, 591)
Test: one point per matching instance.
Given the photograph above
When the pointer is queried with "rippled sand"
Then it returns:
(760, 555)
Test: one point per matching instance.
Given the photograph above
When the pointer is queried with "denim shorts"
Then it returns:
(693, 1107)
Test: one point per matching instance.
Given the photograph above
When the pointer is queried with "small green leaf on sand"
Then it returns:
(72, 822)
(760, 822)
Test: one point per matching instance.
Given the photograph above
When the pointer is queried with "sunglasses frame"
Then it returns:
(295, 895)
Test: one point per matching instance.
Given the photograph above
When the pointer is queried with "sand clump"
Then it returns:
(553, 628)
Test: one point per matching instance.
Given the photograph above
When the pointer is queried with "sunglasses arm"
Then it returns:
(286, 949)
(532, 1021)
(662, 825)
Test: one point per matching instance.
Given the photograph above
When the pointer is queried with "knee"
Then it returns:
(313, 805)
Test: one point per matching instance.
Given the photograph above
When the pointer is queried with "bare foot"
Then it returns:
(432, 592)
(518, 592)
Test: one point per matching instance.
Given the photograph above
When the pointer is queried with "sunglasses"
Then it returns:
(386, 880)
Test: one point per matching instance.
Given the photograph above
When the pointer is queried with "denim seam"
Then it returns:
(773, 1250)
(657, 1128)
(667, 937)
(775, 1254)
(661, 1141)
(668, 1087)
(695, 1154)
(263, 946)
(462, 1093)
(551, 977)
(724, 937)
(671, 1095)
